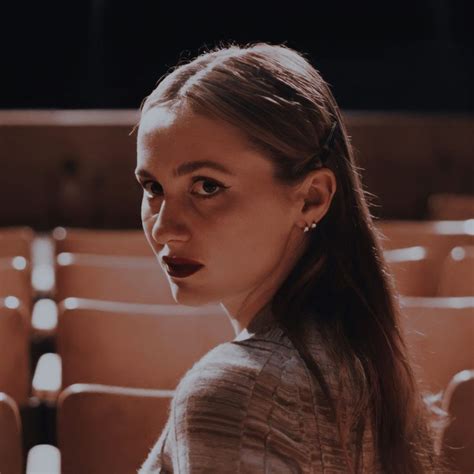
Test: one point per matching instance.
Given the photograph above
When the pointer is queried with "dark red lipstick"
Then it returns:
(181, 267)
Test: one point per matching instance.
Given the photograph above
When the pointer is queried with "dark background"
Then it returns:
(414, 56)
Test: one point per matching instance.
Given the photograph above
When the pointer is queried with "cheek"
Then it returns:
(146, 210)
(259, 211)
(146, 217)
(254, 229)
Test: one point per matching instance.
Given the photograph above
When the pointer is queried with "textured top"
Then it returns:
(251, 405)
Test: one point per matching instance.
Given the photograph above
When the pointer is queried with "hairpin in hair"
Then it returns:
(326, 148)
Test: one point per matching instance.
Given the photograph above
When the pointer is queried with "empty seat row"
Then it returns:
(148, 346)
(417, 271)
(152, 346)
(124, 279)
(101, 242)
(134, 346)
(131, 421)
(439, 235)
(437, 238)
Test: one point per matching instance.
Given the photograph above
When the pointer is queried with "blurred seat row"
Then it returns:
(117, 344)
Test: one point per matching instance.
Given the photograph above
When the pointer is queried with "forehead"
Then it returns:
(162, 127)
(166, 136)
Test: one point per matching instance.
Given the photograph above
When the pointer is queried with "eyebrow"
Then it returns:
(189, 167)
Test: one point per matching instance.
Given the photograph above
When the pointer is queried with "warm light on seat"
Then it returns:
(43, 458)
(47, 380)
(45, 315)
(12, 302)
(42, 277)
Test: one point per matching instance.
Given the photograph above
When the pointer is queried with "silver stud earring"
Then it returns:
(313, 225)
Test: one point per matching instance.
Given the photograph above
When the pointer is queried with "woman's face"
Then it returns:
(239, 223)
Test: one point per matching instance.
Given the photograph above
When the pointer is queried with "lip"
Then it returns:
(180, 261)
(179, 267)
(182, 271)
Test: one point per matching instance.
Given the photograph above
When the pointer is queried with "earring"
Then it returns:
(313, 225)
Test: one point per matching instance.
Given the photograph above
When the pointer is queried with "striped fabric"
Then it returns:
(251, 406)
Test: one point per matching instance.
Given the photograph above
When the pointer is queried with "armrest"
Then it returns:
(47, 379)
(43, 279)
(42, 257)
(44, 319)
(43, 458)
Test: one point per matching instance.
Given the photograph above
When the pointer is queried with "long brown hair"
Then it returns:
(280, 101)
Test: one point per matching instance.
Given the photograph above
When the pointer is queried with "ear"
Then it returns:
(314, 196)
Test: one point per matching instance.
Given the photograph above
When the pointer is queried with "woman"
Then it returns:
(248, 173)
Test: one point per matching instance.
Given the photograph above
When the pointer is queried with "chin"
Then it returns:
(192, 297)
(188, 298)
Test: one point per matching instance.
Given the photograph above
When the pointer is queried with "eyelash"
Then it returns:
(196, 179)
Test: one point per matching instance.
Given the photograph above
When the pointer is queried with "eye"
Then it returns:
(151, 188)
(209, 187)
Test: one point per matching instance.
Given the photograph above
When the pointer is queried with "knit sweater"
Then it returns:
(251, 405)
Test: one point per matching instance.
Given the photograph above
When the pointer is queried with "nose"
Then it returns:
(168, 225)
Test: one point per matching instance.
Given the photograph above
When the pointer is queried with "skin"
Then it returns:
(248, 235)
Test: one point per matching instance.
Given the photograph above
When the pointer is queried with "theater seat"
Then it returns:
(14, 344)
(112, 278)
(147, 346)
(456, 276)
(437, 236)
(103, 429)
(457, 438)
(15, 279)
(11, 451)
(415, 270)
(439, 333)
(16, 241)
(102, 242)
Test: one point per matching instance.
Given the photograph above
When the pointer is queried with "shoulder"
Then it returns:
(230, 398)
(213, 402)
(237, 368)
(230, 368)
(247, 403)
(235, 375)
